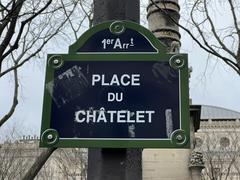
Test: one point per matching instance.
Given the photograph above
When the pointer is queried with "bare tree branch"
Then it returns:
(10, 32)
(15, 45)
(40, 161)
(17, 65)
(33, 54)
(26, 27)
(236, 26)
(88, 14)
(15, 100)
(215, 33)
(234, 65)
(4, 8)
(69, 20)
(221, 157)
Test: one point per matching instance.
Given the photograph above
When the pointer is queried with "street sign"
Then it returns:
(117, 87)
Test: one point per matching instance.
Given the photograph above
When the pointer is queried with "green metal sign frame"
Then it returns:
(178, 139)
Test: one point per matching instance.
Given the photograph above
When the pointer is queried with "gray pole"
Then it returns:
(105, 10)
(115, 164)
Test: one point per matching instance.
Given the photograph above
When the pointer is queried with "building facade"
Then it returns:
(17, 157)
(218, 138)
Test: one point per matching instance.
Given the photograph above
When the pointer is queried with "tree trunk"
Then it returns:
(38, 164)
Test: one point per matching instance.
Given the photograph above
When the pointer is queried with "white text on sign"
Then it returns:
(121, 116)
(117, 43)
(114, 116)
(123, 80)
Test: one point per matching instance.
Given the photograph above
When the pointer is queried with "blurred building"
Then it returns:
(219, 140)
(16, 158)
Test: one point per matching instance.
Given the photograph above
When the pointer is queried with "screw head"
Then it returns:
(55, 61)
(117, 27)
(179, 137)
(178, 61)
(50, 137)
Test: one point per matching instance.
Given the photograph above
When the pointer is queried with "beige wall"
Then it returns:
(166, 164)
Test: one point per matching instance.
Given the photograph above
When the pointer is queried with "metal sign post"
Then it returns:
(117, 88)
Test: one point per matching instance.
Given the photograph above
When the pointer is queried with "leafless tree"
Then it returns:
(26, 28)
(72, 163)
(10, 165)
(219, 39)
(221, 154)
(18, 156)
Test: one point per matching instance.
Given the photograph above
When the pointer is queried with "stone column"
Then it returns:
(163, 16)
(196, 165)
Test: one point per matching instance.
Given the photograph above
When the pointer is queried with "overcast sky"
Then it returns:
(211, 83)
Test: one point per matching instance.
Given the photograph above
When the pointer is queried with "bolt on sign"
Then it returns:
(117, 87)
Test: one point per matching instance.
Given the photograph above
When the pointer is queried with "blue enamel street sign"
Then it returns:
(117, 87)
